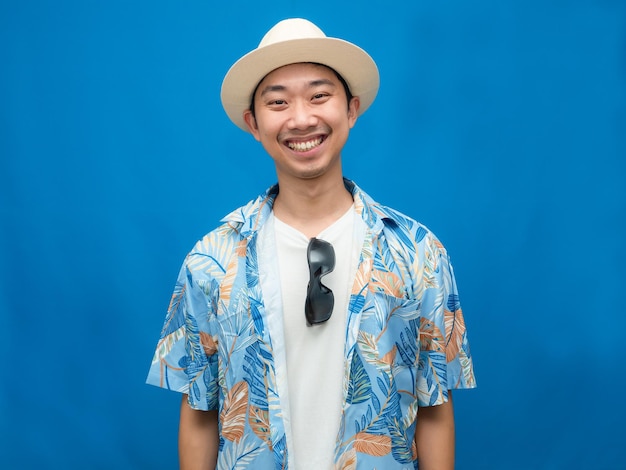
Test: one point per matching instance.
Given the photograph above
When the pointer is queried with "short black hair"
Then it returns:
(337, 74)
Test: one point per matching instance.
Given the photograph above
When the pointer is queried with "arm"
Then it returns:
(198, 438)
(434, 436)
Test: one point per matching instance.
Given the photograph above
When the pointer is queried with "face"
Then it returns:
(302, 119)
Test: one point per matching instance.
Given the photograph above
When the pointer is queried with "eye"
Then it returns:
(276, 104)
(320, 96)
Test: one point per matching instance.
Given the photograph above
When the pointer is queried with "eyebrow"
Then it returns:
(312, 84)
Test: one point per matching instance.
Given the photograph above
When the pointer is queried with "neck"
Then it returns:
(311, 206)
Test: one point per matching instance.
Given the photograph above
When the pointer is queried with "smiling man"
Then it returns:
(315, 328)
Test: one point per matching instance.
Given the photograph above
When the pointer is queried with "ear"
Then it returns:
(353, 110)
(251, 123)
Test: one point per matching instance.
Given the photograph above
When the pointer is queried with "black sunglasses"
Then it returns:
(319, 298)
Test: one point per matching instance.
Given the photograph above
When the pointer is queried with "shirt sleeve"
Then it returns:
(185, 359)
(445, 361)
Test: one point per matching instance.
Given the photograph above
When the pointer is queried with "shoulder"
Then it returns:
(211, 254)
(393, 224)
(241, 223)
(408, 231)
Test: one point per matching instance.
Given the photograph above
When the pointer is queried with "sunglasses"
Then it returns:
(319, 298)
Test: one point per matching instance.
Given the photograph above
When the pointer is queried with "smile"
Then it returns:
(305, 146)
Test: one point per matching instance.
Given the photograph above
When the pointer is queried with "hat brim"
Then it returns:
(355, 65)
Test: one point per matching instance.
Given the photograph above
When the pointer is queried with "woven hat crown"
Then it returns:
(295, 28)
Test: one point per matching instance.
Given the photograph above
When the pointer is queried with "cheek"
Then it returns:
(342, 117)
(269, 141)
(266, 136)
(267, 129)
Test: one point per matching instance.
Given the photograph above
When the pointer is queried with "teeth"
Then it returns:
(304, 146)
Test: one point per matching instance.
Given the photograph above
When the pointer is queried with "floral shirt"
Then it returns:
(406, 343)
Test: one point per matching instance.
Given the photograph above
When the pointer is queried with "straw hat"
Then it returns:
(291, 41)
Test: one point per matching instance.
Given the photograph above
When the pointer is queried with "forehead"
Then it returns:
(300, 71)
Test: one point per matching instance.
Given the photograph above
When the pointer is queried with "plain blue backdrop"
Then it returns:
(501, 125)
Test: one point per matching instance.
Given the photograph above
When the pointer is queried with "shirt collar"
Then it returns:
(248, 220)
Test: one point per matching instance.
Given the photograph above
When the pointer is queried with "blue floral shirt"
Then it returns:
(406, 342)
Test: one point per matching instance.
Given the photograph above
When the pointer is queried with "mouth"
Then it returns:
(305, 145)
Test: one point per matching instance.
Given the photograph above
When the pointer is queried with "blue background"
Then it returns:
(500, 125)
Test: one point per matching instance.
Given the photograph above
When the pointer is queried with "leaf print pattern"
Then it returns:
(208, 343)
(241, 454)
(359, 385)
(390, 357)
(406, 340)
(401, 447)
(455, 332)
(259, 420)
(432, 385)
(465, 359)
(211, 254)
(408, 346)
(369, 347)
(233, 414)
(386, 282)
(372, 444)
(255, 374)
(176, 313)
(226, 286)
(280, 453)
(431, 338)
(347, 460)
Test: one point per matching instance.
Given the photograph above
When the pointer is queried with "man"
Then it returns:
(315, 328)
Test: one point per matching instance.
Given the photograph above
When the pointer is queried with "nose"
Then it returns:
(302, 116)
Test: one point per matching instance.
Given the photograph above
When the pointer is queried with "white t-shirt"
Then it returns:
(315, 354)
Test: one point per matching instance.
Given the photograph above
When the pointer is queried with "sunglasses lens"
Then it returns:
(321, 256)
(319, 300)
(319, 304)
